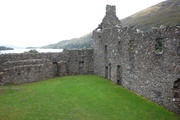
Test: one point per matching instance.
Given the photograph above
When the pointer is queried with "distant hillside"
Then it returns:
(5, 48)
(32, 47)
(165, 13)
(11, 46)
(76, 43)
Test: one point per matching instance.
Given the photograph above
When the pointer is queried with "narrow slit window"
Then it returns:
(119, 46)
(119, 74)
(105, 51)
(110, 71)
(106, 71)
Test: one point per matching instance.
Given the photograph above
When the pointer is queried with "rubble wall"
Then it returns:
(25, 68)
(147, 63)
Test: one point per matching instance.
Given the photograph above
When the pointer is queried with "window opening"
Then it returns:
(106, 72)
(119, 75)
(105, 51)
(110, 71)
(176, 91)
(81, 67)
(119, 46)
(159, 45)
(177, 84)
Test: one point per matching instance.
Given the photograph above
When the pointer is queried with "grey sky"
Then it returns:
(41, 22)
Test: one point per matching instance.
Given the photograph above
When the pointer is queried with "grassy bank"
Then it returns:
(81, 97)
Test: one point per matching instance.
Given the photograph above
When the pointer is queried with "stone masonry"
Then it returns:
(147, 63)
(25, 68)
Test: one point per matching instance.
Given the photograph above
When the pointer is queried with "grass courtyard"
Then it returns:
(80, 97)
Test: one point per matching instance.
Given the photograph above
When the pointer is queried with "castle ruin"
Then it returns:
(147, 63)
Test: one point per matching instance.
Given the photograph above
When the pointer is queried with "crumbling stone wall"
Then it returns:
(147, 63)
(25, 56)
(80, 62)
(29, 73)
(25, 68)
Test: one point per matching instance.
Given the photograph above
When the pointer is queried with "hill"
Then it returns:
(76, 43)
(32, 47)
(5, 48)
(165, 13)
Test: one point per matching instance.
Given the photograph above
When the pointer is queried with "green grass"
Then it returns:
(81, 97)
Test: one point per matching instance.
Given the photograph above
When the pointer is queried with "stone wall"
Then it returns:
(25, 56)
(147, 63)
(29, 73)
(25, 68)
(78, 62)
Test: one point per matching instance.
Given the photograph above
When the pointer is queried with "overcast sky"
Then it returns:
(41, 22)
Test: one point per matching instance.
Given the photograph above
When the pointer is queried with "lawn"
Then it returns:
(80, 97)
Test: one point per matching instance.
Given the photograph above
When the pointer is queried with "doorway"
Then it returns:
(81, 67)
(106, 72)
(119, 75)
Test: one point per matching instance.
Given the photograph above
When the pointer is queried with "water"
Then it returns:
(25, 50)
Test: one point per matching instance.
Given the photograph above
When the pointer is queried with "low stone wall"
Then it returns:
(80, 62)
(27, 56)
(10, 64)
(29, 73)
(24, 68)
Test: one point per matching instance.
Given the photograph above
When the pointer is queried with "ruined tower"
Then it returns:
(110, 19)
